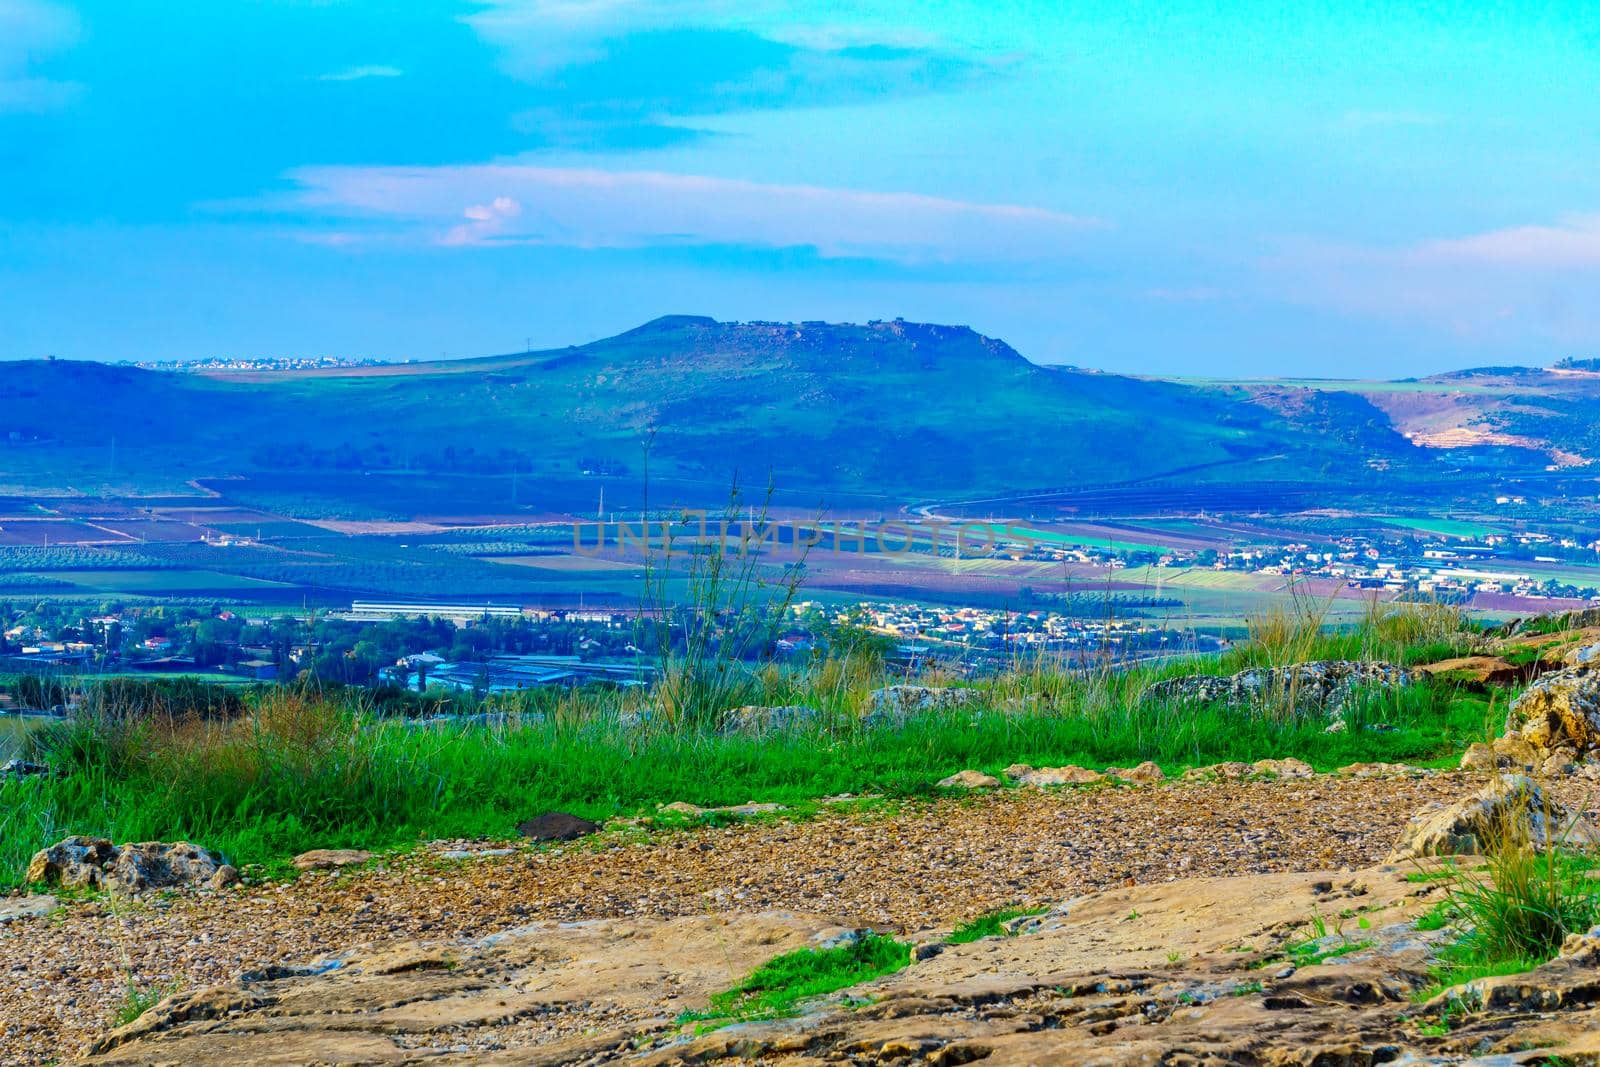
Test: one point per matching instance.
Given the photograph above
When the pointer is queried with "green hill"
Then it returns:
(888, 409)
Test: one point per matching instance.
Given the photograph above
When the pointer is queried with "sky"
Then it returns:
(1176, 187)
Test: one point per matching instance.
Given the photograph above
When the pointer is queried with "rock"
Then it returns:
(1283, 768)
(683, 807)
(1320, 685)
(1119, 977)
(21, 768)
(476, 854)
(969, 779)
(557, 826)
(227, 875)
(88, 862)
(1233, 770)
(1480, 670)
(757, 720)
(1472, 826)
(1509, 753)
(1042, 777)
(1380, 770)
(748, 808)
(75, 863)
(1559, 710)
(892, 705)
(325, 859)
(26, 908)
(155, 865)
(1585, 655)
(1144, 774)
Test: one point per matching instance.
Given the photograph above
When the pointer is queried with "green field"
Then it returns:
(1442, 527)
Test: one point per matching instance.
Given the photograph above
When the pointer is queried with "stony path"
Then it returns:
(921, 865)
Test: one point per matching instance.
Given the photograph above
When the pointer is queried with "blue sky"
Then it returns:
(1175, 187)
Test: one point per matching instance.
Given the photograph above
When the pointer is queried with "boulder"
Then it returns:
(1143, 774)
(92, 862)
(1559, 710)
(1040, 777)
(19, 908)
(1320, 685)
(557, 826)
(892, 705)
(1511, 805)
(969, 779)
(757, 720)
(1283, 768)
(75, 863)
(1509, 753)
(1232, 770)
(326, 859)
(1481, 670)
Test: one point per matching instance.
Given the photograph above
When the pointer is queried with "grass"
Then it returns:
(301, 772)
(988, 924)
(301, 769)
(1516, 910)
(777, 986)
(137, 1000)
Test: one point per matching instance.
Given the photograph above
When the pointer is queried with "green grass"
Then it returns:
(777, 986)
(1516, 911)
(303, 773)
(139, 999)
(988, 924)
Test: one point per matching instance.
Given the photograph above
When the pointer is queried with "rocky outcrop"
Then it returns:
(1558, 622)
(758, 720)
(1045, 777)
(19, 908)
(1559, 711)
(1512, 808)
(970, 779)
(1191, 971)
(327, 859)
(1479, 670)
(894, 704)
(95, 863)
(1234, 770)
(1322, 685)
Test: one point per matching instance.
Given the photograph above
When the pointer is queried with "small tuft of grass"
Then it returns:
(989, 924)
(137, 1000)
(775, 987)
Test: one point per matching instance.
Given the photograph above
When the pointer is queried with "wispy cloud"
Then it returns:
(1519, 283)
(351, 74)
(1573, 242)
(500, 204)
(30, 29)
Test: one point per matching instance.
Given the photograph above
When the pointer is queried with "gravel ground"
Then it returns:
(910, 867)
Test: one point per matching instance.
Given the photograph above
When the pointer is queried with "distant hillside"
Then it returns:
(891, 409)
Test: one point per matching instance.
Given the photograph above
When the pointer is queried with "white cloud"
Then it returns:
(30, 29)
(351, 74)
(1574, 242)
(1520, 284)
(586, 208)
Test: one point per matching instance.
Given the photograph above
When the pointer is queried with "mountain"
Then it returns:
(887, 409)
